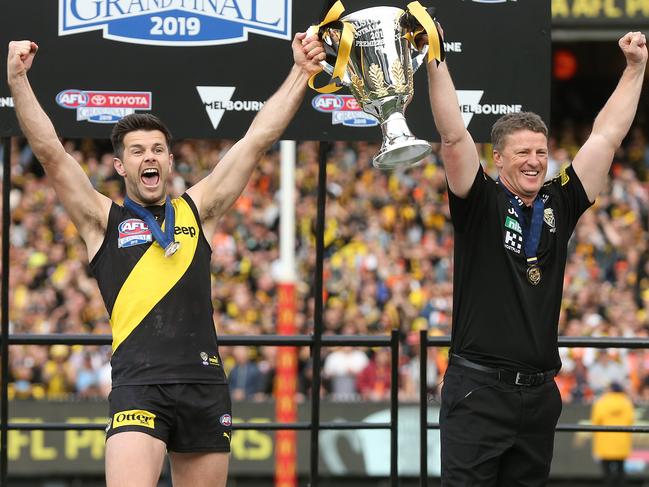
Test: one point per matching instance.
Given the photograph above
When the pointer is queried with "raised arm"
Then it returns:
(219, 190)
(87, 208)
(459, 154)
(611, 125)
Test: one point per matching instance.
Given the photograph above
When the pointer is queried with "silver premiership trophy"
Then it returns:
(379, 73)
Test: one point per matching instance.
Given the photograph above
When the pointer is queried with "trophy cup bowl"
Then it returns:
(379, 75)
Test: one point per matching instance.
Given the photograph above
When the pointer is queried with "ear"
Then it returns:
(119, 166)
(171, 160)
(498, 160)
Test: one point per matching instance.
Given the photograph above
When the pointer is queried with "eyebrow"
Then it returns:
(140, 146)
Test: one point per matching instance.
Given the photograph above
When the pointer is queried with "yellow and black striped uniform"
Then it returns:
(160, 307)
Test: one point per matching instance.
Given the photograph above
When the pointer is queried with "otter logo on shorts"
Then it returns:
(226, 420)
(134, 417)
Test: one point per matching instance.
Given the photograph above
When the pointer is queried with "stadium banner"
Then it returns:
(627, 14)
(206, 67)
(342, 453)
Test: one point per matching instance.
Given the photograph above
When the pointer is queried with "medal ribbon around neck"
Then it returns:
(531, 232)
(165, 239)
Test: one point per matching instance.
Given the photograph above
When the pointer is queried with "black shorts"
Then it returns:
(187, 417)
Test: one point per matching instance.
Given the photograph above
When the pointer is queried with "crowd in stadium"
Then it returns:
(388, 264)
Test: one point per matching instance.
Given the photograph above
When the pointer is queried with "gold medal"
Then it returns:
(534, 274)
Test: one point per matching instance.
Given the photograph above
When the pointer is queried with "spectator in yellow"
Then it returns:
(614, 408)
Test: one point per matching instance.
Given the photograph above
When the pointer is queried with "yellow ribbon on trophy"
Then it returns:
(344, 49)
(435, 50)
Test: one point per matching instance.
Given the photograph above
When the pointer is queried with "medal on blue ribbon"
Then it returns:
(531, 233)
(165, 239)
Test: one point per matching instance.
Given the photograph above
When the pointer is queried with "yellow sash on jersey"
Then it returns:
(153, 276)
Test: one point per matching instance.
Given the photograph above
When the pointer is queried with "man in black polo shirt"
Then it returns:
(500, 404)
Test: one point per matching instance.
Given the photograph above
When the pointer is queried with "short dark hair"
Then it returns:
(133, 122)
(616, 387)
(513, 122)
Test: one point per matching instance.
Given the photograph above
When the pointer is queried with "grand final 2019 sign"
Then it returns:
(206, 67)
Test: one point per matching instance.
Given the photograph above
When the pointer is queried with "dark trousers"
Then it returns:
(496, 434)
(613, 472)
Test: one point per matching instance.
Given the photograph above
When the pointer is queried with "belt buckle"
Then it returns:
(519, 379)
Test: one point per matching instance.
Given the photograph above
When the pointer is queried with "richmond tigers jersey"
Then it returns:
(160, 307)
(500, 318)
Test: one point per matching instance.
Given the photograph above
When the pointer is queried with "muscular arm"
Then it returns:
(459, 153)
(87, 208)
(215, 194)
(611, 125)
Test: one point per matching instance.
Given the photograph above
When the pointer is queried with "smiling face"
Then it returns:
(523, 162)
(145, 166)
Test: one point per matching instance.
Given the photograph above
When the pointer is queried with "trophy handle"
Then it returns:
(330, 51)
(418, 56)
(416, 19)
(328, 68)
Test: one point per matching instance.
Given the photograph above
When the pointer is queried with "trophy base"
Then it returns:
(407, 153)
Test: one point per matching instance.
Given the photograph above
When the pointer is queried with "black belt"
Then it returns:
(508, 376)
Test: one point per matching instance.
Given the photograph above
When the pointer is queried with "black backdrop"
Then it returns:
(499, 54)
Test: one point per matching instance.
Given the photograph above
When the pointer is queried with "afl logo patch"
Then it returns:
(226, 420)
(133, 232)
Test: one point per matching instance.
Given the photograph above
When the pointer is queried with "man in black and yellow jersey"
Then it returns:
(151, 259)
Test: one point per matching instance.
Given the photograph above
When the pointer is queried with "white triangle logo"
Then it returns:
(468, 99)
(213, 98)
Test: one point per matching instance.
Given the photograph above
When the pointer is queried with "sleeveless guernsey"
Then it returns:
(160, 307)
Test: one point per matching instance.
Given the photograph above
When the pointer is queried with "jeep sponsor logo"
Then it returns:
(218, 99)
(177, 22)
(104, 106)
(6, 102)
(191, 231)
(470, 105)
(134, 417)
(344, 110)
